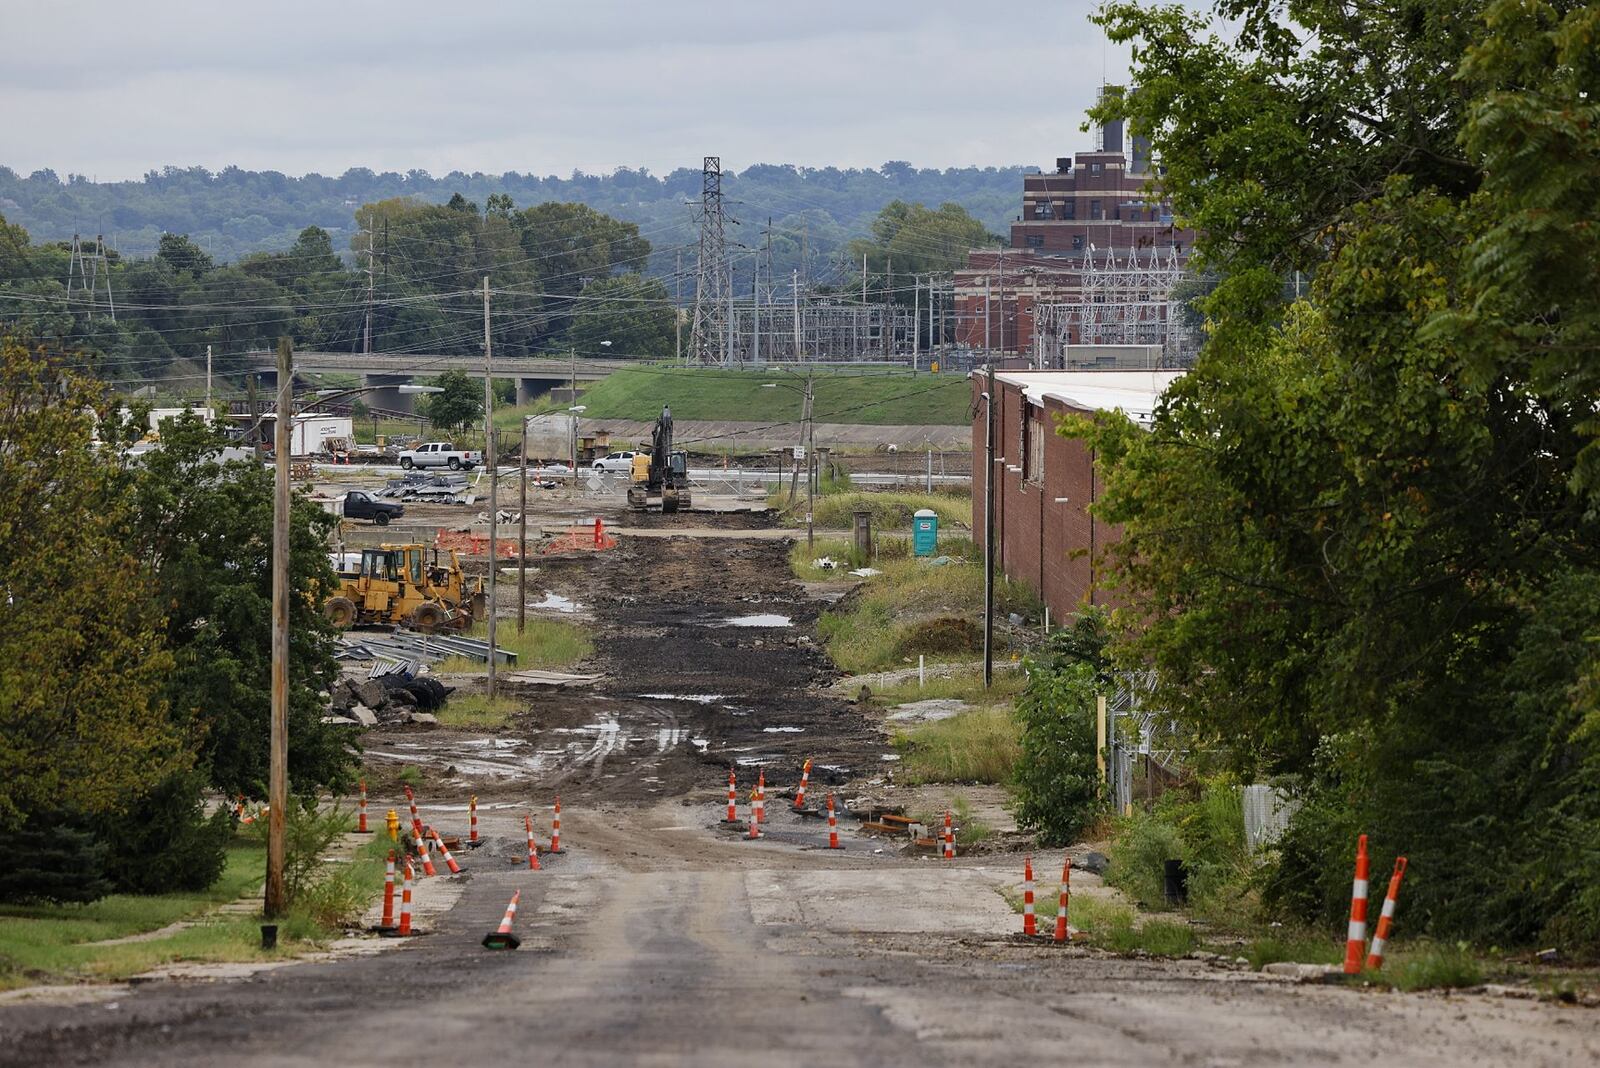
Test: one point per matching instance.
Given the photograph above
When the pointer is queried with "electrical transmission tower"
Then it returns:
(85, 271)
(708, 335)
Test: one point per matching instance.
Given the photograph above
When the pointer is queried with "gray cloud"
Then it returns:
(544, 87)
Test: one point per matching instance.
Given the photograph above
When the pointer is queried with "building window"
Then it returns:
(1033, 448)
(1069, 209)
(1095, 210)
(1077, 242)
(1036, 241)
(1042, 211)
(1096, 168)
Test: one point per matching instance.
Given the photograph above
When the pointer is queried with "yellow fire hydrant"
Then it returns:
(393, 821)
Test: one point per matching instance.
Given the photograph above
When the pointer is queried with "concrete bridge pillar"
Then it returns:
(387, 395)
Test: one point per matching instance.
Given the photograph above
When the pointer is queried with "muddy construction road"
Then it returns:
(660, 937)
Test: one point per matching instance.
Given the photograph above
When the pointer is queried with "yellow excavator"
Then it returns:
(663, 473)
(400, 584)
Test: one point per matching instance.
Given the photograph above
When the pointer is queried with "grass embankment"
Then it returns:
(891, 510)
(548, 644)
(915, 609)
(872, 397)
(66, 943)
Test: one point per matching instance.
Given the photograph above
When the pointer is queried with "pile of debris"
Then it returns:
(394, 697)
(435, 489)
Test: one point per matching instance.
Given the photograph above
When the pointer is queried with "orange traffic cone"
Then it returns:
(1066, 899)
(1355, 945)
(755, 814)
(949, 838)
(800, 794)
(1386, 917)
(833, 825)
(1030, 926)
(422, 853)
(555, 828)
(416, 820)
(533, 848)
(361, 815)
(733, 800)
(473, 841)
(501, 937)
(449, 861)
(405, 904)
(387, 923)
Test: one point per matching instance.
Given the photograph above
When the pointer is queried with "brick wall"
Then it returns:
(1040, 540)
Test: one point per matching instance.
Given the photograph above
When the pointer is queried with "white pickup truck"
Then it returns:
(440, 454)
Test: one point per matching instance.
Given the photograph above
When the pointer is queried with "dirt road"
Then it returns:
(660, 938)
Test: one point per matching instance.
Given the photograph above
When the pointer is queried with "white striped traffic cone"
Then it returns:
(805, 779)
(387, 923)
(533, 848)
(416, 820)
(361, 813)
(555, 828)
(473, 841)
(833, 825)
(949, 838)
(501, 937)
(733, 800)
(405, 903)
(423, 855)
(449, 861)
(1355, 944)
(1386, 917)
(1030, 926)
(1062, 905)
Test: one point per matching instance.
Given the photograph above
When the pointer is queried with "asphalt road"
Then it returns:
(660, 938)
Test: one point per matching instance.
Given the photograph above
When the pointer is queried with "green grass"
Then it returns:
(410, 775)
(1108, 924)
(872, 397)
(977, 746)
(915, 609)
(550, 644)
(1430, 967)
(476, 710)
(1301, 947)
(43, 943)
(891, 510)
(801, 556)
(965, 685)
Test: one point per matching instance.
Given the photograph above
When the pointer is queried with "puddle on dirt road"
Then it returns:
(554, 602)
(697, 698)
(768, 619)
(782, 730)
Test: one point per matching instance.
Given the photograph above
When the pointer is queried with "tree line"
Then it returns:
(815, 211)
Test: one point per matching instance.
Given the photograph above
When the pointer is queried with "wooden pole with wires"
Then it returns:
(522, 533)
(494, 477)
(278, 765)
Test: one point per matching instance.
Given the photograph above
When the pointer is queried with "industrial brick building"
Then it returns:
(1045, 535)
(1092, 261)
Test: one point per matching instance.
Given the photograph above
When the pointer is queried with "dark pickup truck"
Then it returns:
(358, 505)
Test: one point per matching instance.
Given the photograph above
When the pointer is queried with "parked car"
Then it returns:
(440, 454)
(615, 461)
(358, 505)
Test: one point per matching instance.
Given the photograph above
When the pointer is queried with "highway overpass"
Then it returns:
(387, 372)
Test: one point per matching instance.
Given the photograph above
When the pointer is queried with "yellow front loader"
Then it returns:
(407, 585)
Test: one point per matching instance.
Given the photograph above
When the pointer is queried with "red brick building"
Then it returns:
(1045, 535)
(1095, 212)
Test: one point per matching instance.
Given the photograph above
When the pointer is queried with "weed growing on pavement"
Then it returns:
(549, 644)
(476, 710)
(973, 830)
(410, 775)
(836, 549)
(978, 746)
(1301, 947)
(1161, 938)
(1432, 967)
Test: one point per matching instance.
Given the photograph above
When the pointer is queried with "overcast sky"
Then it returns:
(112, 90)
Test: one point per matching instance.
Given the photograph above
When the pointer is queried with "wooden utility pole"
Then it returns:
(522, 533)
(988, 529)
(278, 767)
(494, 476)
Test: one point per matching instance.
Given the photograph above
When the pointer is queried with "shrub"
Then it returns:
(166, 842)
(1057, 780)
(1140, 846)
(50, 860)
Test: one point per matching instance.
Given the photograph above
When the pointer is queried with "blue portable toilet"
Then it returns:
(925, 532)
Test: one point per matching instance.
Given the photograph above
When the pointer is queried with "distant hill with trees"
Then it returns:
(815, 211)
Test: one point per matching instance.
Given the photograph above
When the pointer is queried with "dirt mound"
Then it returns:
(942, 635)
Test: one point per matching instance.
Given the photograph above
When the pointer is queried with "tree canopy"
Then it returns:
(1361, 535)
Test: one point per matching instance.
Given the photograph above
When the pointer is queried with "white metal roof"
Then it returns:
(1135, 393)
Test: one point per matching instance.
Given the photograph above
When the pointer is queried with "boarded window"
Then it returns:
(1033, 447)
